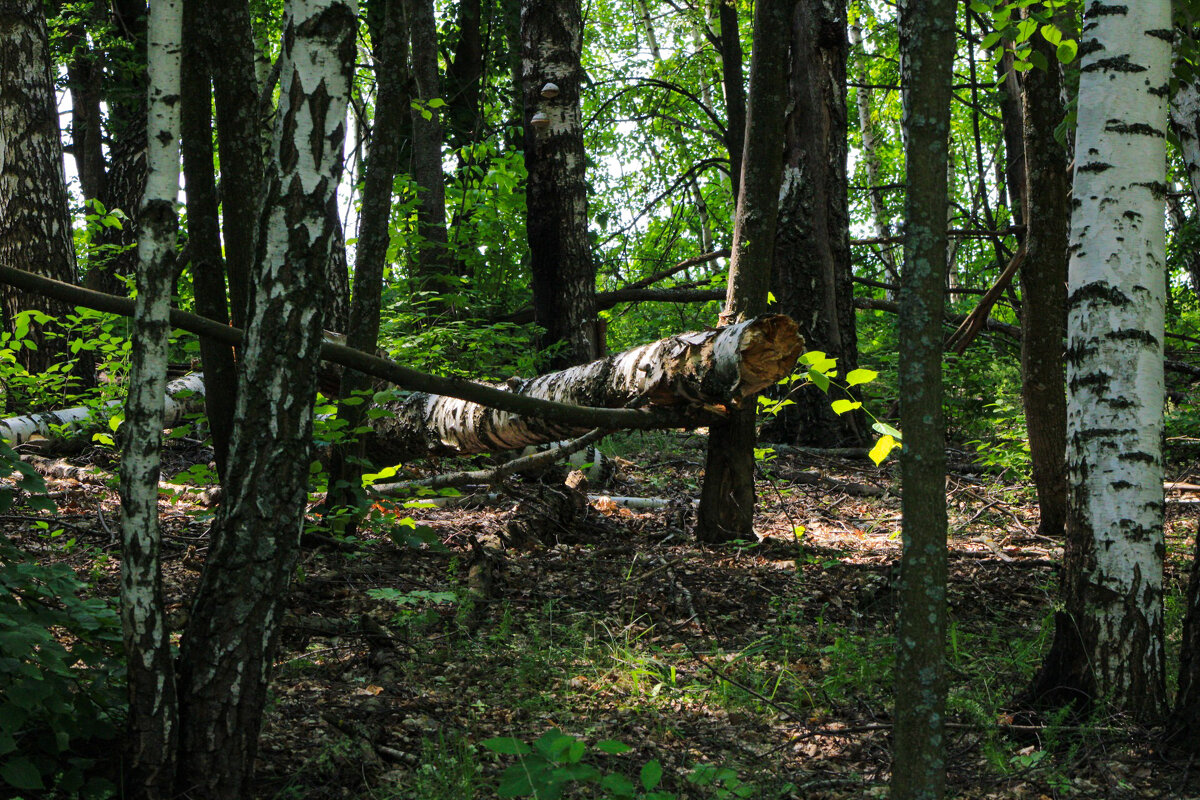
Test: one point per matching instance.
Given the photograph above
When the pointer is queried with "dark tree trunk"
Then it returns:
(464, 77)
(35, 226)
(927, 53)
(125, 180)
(204, 233)
(812, 280)
(432, 265)
(84, 80)
(231, 52)
(227, 652)
(385, 19)
(726, 508)
(733, 84)
(1184, 728)
(1044, 291)
(564, 274)
(337, 276)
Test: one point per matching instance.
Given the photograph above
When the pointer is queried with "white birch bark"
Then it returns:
(1116, 292)
(1185, 119)
(147, 639)
(717, 367)
(184, 396)
(227, 652)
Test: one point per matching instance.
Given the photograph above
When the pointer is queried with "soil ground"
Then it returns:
(768, 662)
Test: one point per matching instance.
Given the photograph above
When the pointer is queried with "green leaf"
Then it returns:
(842, 406)
(887, 430)
(819, 379)
(612, 747)
(991, 40)
(21, 773)
(859, 376)
(617, 785)
(1067, 50)
(651, 775)
(882, 449)
(515, 782)
(506, 745)
(1025, 29)
(1051, 34)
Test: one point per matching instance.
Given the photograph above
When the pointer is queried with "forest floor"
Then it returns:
(761, 669)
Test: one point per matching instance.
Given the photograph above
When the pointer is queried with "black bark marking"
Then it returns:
(1157, 189)
(1133, 128)
(1093, 166)
(1081, 350)
(1099, 292)
(1137, 457)
(1145, 337)
(1100, 10)
(1097, 380)
(318, 105)
(1115, 64)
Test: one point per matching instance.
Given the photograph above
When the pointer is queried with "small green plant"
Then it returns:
(62, 703)
(817, 369)
(556, 761)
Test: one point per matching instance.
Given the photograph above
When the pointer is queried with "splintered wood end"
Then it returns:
(770, 347)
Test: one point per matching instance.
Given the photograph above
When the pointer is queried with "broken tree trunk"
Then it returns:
(708, 368)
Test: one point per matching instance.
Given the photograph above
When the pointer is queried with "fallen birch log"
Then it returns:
(705, 369)
(669, 383)
(584, 417)
(184, 396)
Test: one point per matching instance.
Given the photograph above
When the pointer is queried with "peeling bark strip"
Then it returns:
(1113, 580)
(184, 396)
(716, 367)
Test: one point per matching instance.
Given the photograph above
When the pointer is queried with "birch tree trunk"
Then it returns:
(560, 252)
(927, 56)
(228, 648)
(35, 226)
(811, 280)
(1109, 644)
(727, 495)
(1185, 122)
(153, 710)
